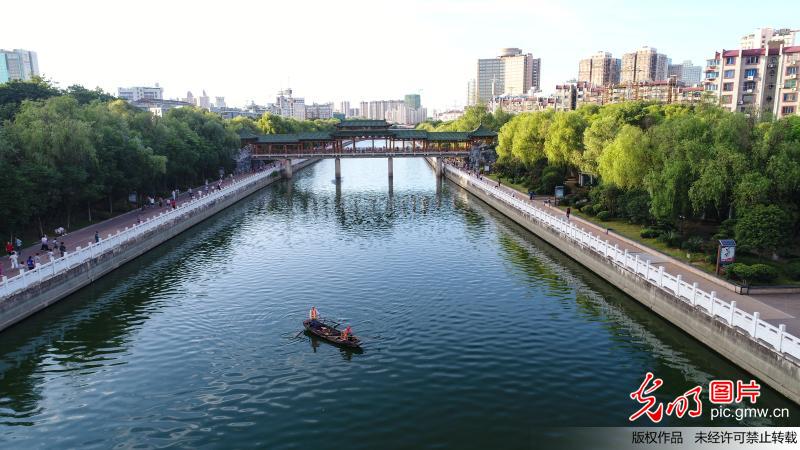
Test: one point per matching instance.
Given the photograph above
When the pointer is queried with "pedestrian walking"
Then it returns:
(37, 260)
(9, 247)
(62, 249)
(174, 204)
(31, 265)
(174, 194)
(568, 211)
(96, 237)
(14, 257)
(18, 243)
(44, 243)
(50, 255)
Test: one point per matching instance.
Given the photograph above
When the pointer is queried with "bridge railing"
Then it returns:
(82, 255)
(361, 151)
(766, 334)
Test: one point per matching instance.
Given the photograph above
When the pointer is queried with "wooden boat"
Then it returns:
(327, 330)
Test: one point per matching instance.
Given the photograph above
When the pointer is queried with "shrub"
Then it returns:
(604, 215)
(763, 229)
(711, 258)
(635, 205)
(672, 238)
(793, 270)
(649, 233)
(693, 244)
(753, 273)
(588, 209)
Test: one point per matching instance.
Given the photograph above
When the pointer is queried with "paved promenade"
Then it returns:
(773, 308)
(83, 236)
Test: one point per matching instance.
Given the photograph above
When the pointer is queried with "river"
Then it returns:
(478, 334)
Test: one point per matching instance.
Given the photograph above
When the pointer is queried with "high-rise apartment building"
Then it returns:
(600, 70)
(288, 106)
(319, 111)
(413, 101)
(644, 65)
(511, 73)
(18, 64)
(472, 93)
(756, 80)
(136, 93)
(686, 72)
(396, 111)
(764, 36)
(344, 108)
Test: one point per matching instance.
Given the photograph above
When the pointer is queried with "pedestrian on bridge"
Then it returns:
(96, 237)
(14, 257)
(62, 249)
(18, 245)
(44, 243)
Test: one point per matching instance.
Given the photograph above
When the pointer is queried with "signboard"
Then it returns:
(727, 251)
(132, 197)
(559, 191)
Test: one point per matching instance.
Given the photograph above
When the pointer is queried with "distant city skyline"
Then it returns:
(435, 57)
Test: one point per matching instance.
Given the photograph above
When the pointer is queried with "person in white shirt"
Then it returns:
(14, 257)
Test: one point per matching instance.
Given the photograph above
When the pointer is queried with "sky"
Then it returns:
(334, 50)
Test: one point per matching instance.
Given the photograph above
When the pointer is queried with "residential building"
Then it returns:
(377, 109)
(406, 115)
(136, 93)
(518, 103)
(686, 72)
(764, 37)
(511, 73)
(601, 69)
(344, 108)
(189, 99)
(319, 111)
(158, 106)
(219, 102)
(472, 93)
(204, 101)
(643, 65)
(288, 106)
(18, 64)
(450, 114)
(413, 101)
(755, 80)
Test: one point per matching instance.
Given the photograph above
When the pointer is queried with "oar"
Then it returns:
(298, 334)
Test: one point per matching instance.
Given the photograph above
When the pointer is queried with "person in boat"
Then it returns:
(313, 315)
(347, 333)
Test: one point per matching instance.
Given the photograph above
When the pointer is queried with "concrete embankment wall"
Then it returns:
(22, 304)
(778, 371)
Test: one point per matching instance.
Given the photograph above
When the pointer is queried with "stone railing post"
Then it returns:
(781, 332)
(733, 312)
(756, 316)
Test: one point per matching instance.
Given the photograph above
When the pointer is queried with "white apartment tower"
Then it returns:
(763, 37)
(756, 80)
(511, 73)
(136, 93)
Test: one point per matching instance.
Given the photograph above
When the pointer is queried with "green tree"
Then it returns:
(626, 161)
(763, 229)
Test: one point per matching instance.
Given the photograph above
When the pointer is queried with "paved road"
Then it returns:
(83, 236)
(774, 308)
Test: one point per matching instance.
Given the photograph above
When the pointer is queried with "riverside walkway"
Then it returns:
(108, 228)
(772, 319)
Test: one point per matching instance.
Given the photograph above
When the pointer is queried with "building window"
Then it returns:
(711, 87)
(790, 84)
(730, 60)
(749, 86)
(751, 60)
(790, 97)
(712, 75)
(725, 99)
(727, 87)
(729, 73)
(711, 62)
(791, 70)
(751, 73)
(787, 110)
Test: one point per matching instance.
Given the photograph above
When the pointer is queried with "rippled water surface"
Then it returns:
(478, 335)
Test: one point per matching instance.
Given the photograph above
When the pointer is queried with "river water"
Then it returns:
(478, 334)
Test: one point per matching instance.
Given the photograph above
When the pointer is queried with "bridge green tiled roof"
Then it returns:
(398, 133)
(448, 136)
(360, 123)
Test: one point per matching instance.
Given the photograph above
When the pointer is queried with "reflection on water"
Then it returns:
(477, 333)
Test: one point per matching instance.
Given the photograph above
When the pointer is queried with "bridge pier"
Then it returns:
(287, 168)
(338, 169)
(439, 167)
(391, 167)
